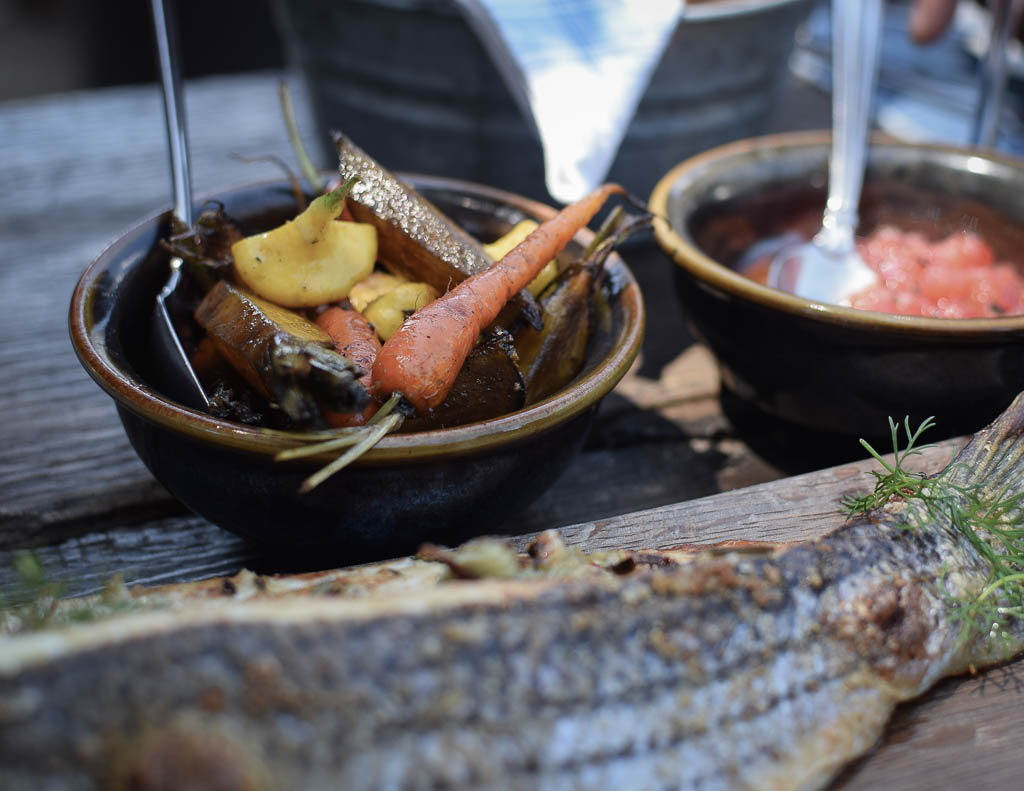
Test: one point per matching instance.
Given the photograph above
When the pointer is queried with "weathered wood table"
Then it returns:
(669, 460)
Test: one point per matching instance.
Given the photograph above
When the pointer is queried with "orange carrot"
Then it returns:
(355, 339)
(422, 359)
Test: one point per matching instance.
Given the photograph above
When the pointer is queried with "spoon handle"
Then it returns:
(174, 108)
(993, 74)
(176, 376)
(856, 33)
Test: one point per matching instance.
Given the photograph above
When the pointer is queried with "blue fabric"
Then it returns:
(577, 69)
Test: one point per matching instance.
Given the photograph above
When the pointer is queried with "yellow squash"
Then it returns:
(390, 310)
(310, 260)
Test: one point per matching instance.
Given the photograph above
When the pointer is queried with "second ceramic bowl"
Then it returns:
(826, 367)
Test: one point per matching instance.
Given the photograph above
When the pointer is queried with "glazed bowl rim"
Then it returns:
(150, 405)
(693, 260)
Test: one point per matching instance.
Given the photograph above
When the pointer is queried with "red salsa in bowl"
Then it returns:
(957, 277)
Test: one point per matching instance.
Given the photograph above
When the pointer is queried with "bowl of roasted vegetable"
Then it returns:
(937, 333)
(389, 361)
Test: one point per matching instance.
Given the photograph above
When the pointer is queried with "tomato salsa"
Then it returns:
(955, 278)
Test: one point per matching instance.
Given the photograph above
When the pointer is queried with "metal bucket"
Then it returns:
(409, 81)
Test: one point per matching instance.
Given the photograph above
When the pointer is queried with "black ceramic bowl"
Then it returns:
(440, 486)
(826, 367)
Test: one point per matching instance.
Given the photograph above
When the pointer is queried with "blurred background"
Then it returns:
(409, 80)
(53, 46)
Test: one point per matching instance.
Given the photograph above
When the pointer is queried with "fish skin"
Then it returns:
(737, 669)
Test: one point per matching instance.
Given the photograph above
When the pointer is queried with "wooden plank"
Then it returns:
(964, 733)
(797, 508)
(171, 549)
(182, 548)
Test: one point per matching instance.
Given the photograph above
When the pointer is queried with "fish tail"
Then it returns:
(991, 463)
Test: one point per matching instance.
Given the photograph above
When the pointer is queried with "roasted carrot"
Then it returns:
(356, 340)
(422, 359)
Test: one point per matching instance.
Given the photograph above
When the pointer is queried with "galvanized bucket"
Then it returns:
(409, 81)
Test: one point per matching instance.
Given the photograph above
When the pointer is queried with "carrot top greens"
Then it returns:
(992, 523)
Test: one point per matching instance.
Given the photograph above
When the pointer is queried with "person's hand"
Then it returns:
(929, 18)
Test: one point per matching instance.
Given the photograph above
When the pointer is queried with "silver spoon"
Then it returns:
(829, 269)
(175, 374)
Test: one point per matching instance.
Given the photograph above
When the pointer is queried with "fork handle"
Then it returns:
(168, 61)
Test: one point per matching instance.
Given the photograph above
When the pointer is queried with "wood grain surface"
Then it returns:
(670, 459)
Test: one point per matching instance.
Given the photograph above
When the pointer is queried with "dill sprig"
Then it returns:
(991, 522)
(895, 480)
(38, 596)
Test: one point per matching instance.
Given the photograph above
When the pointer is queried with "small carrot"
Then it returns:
(422, 359)
(356, 340)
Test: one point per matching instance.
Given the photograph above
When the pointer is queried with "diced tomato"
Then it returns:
(911, 303)
(963, 250)
(954, 278)
(874, 299)
(946, 282)
(1001, 288)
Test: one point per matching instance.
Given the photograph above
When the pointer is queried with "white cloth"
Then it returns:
(577, 69)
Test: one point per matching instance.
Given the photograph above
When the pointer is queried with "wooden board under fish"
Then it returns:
(751, 666)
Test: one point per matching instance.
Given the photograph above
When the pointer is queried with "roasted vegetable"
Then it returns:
(422, 359)
(551, 357)
(355, 339)
(282, 356)
(376, 285)
(310, 260)
(389, 311)
(415, 238)
(497, 250)
(489, 384)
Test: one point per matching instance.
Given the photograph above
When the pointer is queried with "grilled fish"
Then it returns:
(743, 667)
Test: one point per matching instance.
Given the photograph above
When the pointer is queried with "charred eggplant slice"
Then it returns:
(415, 239)
(551, 357)
(488, 385)
(285, 358)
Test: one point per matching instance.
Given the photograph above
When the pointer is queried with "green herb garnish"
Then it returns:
(38, 603)
(991, 522)
(895, 481)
